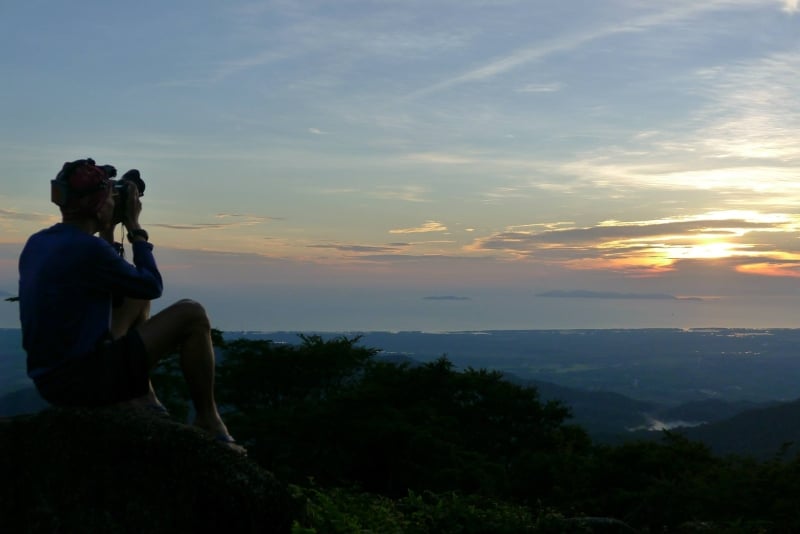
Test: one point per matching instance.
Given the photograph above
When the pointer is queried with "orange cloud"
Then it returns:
(429, 226)
(771, 269)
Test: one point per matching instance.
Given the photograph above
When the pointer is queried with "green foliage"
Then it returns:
(431, 449)
(338, 510)
(171, 388)
(258, 374)
(331, 410)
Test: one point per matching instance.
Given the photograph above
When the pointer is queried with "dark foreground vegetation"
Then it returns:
(370, 445)
(360, 444)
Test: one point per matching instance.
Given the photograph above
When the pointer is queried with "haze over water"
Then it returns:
(364, 311)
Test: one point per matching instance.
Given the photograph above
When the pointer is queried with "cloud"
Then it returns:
(405, 193)
(408, 193)
(440, 157)
(361, 248)
(446, 297)
(752, 111)
(541, 88)
(411, 258)
(429, 226)
(247, 219)
(791, 6)
(778, 269)
(674, 12)
(240, 220)
(335, 190)
(259, 59)
(302, 33)
(7, 214)
(742, 140)
(317, 131)
(653, 247)
(195, 226)
(586, 294)
(614, 230)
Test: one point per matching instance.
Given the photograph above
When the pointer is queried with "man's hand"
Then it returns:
(133, 208)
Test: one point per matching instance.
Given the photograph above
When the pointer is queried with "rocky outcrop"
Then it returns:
(112, 470)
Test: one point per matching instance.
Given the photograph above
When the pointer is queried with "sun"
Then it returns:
(708, 250)
(714, 250)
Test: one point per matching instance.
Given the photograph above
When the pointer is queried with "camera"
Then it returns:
(121, 188)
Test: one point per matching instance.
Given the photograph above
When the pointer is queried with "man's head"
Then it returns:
(81, 188)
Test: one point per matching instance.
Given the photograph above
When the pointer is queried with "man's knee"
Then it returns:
(193, 312)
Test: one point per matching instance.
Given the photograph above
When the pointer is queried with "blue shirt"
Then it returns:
(67, 278)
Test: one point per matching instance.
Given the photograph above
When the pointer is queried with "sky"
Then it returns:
(426, 165)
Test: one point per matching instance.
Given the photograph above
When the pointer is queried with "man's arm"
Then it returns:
(142, 279)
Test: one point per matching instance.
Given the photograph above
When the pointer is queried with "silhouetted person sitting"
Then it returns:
(84, 309)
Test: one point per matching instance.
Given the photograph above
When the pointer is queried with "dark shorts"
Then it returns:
(117, 371)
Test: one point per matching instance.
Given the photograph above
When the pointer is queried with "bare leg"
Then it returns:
(130, 314)
(186, 326)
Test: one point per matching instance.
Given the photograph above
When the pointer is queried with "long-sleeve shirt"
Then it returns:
(67, 278)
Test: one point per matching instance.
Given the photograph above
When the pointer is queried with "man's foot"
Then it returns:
(228, 441)
(215, 428)
(148, 404)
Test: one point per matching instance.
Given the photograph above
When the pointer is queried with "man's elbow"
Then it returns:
(158, 290)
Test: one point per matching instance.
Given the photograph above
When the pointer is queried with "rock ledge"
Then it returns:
(112, 470)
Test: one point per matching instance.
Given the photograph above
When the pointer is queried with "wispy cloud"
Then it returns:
(442, 158)
(415, 258)
(674, 12)
(540, 88)
(307, 32)
(614, 230)
(191, 226)
(244, 218)
(407, 193)
(234, 66)
(772, 268)
(237, 220)
(654, 246)
(334, 190)
(613, 295)
(753, 112)
(743, 139)
(430, 226)
(361, 248)
(13, 215)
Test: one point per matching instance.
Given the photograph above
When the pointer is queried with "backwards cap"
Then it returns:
(86, 187)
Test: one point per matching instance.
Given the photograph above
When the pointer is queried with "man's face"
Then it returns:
(106, 211)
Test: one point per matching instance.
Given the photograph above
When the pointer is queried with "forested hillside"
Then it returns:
(389, 447)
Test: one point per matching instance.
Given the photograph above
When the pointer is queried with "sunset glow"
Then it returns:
(299, 153)
(707, 250)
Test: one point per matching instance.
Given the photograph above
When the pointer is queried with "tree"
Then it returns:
(331, 410)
